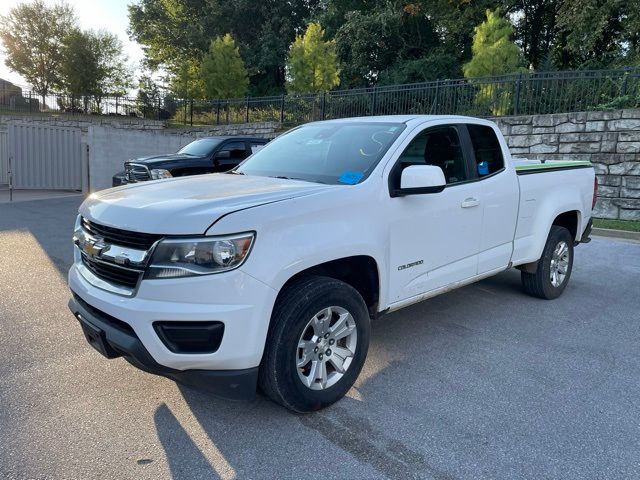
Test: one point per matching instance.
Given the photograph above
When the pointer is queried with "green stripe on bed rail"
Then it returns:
(541, 167)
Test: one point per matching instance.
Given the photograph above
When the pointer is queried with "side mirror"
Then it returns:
(419, 179)
(223, 154)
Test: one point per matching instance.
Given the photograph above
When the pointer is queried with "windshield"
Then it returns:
(334, 153)
(200, 148)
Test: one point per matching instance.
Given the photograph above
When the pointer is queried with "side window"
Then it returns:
(439, 146)
(232, 153)
(256, 147)
(486, 148)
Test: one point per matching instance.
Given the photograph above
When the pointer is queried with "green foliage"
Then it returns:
(493, 51)
(32, 35)
(173, 31)
(401, 42)
(312, 63)
(93, 63)
(223, 70)
(628, 225)
(437, 66)
(149, 96)
(596, 33)
(493, 54)
(186, 79)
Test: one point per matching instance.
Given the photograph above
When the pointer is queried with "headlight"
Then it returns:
(158, 173)
(199, 256)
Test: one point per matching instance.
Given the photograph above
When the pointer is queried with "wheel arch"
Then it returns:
(569, 220)
(359, 271)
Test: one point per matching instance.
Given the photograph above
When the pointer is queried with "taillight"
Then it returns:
(595, 192)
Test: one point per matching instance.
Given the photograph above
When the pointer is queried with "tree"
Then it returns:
(391, 42)
(223, 70)
(186, 79)
(79, 65)
(33, 34)
(94, 65)
(435, 66)
(493, 51)
(493, 54)
(173, 31)
(312, 64)
(148, 99)
(598, 33)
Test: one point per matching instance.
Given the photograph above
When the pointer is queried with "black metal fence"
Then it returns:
(16, 100)
(523, 93)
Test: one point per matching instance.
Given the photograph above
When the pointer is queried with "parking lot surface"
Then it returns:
(483, 382)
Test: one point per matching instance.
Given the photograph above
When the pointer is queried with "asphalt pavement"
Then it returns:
(483, 382)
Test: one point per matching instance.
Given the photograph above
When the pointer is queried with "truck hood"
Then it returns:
(188, 205)
(155, 160)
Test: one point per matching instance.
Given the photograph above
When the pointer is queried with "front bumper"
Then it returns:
(113, 339)
(242, 303)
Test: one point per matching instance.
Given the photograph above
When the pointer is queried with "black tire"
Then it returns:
(539, 284)
(295, 307)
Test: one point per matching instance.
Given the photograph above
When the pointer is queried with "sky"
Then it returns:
(110, 15)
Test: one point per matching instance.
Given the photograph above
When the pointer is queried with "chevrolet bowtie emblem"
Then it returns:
(93, 248)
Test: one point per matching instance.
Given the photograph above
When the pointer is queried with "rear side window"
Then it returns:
(487, 149)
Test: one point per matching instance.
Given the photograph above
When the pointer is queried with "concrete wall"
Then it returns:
(610, 140)
(110, 147)
(83, 122)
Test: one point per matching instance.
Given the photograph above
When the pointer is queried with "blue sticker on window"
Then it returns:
(351, 178)
(483, 168)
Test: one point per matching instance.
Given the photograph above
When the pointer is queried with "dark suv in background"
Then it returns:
(204, 155)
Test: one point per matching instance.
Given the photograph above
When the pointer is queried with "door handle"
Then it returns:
(470, 202)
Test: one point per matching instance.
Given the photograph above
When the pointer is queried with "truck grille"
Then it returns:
(112, 273)
(125, 238)
(136, 173)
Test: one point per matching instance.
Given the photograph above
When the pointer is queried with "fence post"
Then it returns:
(516, 103)
(158, 108)
(324, 104)
(374, 100)
(218, 113)
(117, 105)
(282, 109)
(227, 112)
(191, 112)
(623, 88)
(29, 102)
(10, 174)
(434, 106)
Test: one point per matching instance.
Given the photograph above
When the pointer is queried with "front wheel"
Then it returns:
(317, 344)
(554, 267)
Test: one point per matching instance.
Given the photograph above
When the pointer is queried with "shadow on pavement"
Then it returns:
(178, 445)
(404, 380)
(49, 221)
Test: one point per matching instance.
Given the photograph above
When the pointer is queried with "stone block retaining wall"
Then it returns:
(609, 139)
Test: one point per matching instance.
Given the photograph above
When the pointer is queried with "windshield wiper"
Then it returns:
(283, 177)
(294, 178)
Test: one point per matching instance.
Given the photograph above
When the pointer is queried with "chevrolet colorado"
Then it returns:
(270, 275)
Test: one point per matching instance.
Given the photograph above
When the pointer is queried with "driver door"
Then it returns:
(435, 238)
(230, 155)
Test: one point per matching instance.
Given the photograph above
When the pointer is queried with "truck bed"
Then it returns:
(548, 188)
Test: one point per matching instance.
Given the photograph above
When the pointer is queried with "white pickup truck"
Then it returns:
(270, 275)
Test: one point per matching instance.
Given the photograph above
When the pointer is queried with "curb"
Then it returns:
(606, 232)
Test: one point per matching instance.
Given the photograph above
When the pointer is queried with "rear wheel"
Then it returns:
(554, 267)
(317, 344)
